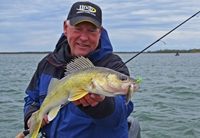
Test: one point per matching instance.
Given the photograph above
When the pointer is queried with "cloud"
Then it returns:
(27, 25)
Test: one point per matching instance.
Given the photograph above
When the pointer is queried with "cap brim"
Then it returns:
(80, 19)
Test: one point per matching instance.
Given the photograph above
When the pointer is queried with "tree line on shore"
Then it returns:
(167, 51)
(157, 51)
(175, 51)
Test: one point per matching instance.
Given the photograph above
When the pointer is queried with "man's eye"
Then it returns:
(92, 30)
(77, 28)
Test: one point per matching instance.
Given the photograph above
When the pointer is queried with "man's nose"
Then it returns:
(84, 36)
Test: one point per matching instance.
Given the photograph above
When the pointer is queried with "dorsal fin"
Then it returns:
(78, 64)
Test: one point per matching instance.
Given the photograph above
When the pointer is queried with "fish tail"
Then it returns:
(35, 124)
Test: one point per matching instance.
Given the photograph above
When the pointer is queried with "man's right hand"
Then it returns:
(89, 99)
(44, 121)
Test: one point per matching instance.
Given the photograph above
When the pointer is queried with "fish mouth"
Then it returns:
(130, 91)
(133, 85)
(126, 86)
(133, 89)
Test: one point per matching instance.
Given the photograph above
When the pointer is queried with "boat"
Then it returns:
(177, 54)
(133, 128)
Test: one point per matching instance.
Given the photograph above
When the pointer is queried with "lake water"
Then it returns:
(167, 104)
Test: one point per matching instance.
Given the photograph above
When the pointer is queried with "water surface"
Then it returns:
(167, 104)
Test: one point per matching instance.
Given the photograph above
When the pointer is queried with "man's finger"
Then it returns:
(98, 98)
(90, 100)
(43, 123)
(46, 119)
(77, 102)
(84, 102)
(28, 123)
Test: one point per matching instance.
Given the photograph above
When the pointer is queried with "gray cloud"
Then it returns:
(27, 25)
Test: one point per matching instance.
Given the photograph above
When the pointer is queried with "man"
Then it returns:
(92, 116)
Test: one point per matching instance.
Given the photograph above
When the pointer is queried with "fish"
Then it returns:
(81, 78)
(129, 93)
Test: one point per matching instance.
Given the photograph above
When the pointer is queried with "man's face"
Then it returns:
(82, 38)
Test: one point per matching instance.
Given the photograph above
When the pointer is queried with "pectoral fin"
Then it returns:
(53, 112)
(92, 87)
(76, 94)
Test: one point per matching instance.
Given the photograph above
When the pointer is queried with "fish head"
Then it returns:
(114, 83)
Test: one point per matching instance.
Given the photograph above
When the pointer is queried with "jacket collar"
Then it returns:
(61, 53)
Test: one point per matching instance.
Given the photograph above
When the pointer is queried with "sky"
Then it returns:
(132, 25)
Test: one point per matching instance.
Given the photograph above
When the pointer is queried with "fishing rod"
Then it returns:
(23, 134)
(158, 40)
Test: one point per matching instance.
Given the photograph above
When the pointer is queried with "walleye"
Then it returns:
(81, 78)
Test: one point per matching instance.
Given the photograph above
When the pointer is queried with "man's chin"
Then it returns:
(84, 54)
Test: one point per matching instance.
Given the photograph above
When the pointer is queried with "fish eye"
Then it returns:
(123, 78)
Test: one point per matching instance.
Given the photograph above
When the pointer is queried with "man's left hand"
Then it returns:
(90, 99)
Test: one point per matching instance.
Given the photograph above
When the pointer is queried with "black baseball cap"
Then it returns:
(85, 11)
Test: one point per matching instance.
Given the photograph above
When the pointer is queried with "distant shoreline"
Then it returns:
(14, 53)
(25, 53)
(153, 52)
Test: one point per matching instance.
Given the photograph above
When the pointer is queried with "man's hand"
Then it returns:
(44, 121)
(89, 99)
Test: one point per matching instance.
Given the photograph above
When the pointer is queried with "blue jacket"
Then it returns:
(106, 120)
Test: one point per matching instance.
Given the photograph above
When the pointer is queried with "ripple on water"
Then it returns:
(167, 104)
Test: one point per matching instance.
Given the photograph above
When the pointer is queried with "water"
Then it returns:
(167, 104)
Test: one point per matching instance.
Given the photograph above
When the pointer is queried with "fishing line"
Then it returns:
(157, 40)
(191, 39)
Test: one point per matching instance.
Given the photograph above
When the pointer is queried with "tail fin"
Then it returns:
(35, 124)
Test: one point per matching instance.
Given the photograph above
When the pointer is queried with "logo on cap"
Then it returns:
(86, 9)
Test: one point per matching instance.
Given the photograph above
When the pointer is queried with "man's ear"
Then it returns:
(100, 30)
(65, 27)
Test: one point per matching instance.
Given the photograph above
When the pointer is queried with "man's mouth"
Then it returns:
(82, 45)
